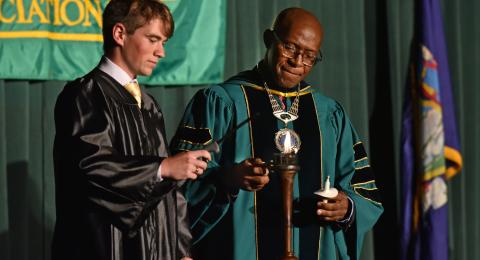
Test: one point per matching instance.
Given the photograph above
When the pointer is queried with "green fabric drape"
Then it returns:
(462, 24)
(366, 49)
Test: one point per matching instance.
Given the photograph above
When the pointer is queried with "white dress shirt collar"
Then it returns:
(117, 73)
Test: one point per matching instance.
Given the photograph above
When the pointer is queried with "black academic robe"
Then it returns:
(110, 204)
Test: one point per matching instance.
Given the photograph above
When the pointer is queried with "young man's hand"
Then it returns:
(185, 165)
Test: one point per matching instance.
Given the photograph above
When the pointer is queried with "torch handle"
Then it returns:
(286, 178)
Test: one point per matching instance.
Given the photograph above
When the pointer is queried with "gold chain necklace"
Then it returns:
(278, 112)
(286, 140)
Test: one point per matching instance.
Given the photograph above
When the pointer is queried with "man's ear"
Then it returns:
(119, 32)
(268, 38)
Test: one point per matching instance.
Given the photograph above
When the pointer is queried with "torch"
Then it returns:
(286, 165)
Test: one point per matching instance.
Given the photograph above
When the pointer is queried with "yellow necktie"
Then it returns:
(134, 89)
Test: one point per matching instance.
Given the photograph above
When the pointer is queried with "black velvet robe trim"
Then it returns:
(197, 136)
(268, 201)
(360, 152)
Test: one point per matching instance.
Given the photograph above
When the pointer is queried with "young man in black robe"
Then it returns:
(116, 187)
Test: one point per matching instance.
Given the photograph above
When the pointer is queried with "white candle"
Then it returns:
(327, 192)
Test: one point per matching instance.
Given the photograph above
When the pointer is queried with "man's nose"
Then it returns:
(297, 59)
(160, 51)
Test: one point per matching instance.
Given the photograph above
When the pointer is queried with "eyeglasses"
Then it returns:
(290, 50)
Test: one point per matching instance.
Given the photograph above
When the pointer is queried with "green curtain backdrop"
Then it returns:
(366, 49)
(47, 40)
(464, 41)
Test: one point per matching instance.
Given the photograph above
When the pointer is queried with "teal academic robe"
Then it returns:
(248, 226)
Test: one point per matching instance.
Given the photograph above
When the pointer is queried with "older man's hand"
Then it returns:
(333, 209)
(251, 175)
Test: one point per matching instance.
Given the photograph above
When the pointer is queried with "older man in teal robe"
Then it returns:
(235, 206)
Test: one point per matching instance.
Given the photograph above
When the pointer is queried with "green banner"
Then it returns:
(62, 40)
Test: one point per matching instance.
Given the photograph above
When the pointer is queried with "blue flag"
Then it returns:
(430, 146)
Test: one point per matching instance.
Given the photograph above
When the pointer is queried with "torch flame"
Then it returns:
(287, 144)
